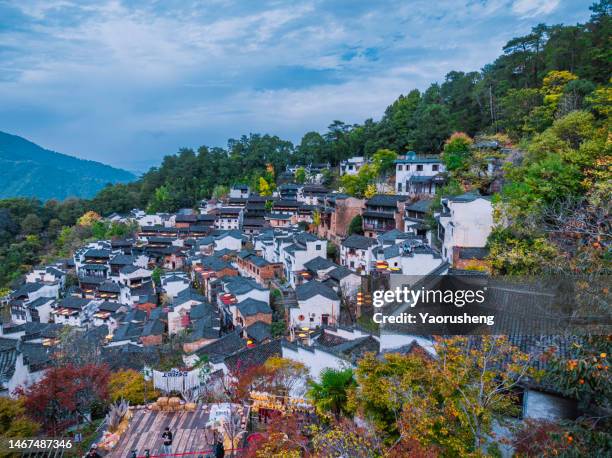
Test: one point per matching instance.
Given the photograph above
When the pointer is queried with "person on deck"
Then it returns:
(93, 452)
(167, 437)
(219, 450)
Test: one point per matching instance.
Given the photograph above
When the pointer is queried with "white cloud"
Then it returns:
(532, 8)
(98, 77)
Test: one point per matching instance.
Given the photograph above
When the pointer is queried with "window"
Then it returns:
(435, 167)
(399, 187)
(419, 168)
(400, 167)
(407, 167)
(318, 247)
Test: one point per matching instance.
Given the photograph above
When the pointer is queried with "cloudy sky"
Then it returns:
(127, 82)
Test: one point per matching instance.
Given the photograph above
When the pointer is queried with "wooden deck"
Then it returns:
(146, 427)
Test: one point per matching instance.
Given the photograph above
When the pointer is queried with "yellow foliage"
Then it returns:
(554, 83)
(130, 385)
(370, 191)
(88, 219)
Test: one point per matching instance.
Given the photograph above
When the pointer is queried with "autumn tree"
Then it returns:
(64, 394)
(448, 401)
(285, 376)
(14, 422)
(87, 219)
(130, 385)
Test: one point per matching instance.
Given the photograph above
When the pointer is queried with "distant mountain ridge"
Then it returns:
(28, 170)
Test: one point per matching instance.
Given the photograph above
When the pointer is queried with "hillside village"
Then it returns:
(232, 300)
(246, 278)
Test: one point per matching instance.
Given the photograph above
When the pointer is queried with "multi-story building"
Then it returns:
(383, 213)
(356, 253)
(417, 175)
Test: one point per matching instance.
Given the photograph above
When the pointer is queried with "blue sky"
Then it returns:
(128, 82)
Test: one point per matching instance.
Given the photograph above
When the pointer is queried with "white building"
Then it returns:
(356, 253)
(229, 240)
(352, 165)
(239, 191)
(229, 218)
(465, 221)
(21, 364)
(173, 283)
(318, 305)
(418, 175)
(74, 311)
(48, 274)
(294, 249)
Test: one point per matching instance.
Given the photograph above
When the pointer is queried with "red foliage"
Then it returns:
(283, 433)
(541, 438)
(65, 392)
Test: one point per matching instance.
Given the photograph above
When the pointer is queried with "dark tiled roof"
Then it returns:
(340, 272)
(421, 206)
(27, 288)
(385, 200)
(110, 287)
(313, 288)
(318, 263)
(123, 260)
(255, 356)
(75, 303)
(107, 306)
(250, 307)
(153, 328)
(359, 242)
(218, 350)
(241, 285)
(468, 197)
(97, 253)
(260, 331)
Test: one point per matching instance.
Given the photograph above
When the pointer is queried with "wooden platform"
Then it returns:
(146, 427)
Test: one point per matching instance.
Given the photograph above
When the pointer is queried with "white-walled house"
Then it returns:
(31, 291)
(407, 254)
(465, 221)
(229, 240)
(356, 253)
(48, 274)
(318, 305)
(173, 283)
(21, 364)
(37, 310)
(74, 311)
(417, 175)
(352, 165)
(294, 249)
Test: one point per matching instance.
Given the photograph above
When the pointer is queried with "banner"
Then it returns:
(175, 380)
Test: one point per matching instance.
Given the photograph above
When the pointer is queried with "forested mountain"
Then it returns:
(27, 170)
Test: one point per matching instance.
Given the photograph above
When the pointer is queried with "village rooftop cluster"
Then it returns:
(248, 277)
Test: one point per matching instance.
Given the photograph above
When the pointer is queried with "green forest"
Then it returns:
(548, 95)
